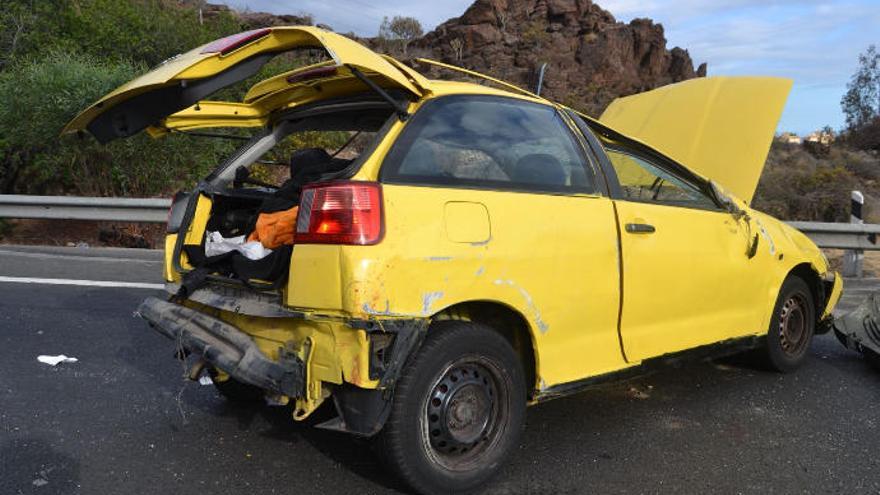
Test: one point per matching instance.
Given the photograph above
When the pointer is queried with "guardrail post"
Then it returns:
(853, 259)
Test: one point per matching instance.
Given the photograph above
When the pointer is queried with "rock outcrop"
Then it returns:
(591, 58)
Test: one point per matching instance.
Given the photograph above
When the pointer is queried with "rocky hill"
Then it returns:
(591, 57)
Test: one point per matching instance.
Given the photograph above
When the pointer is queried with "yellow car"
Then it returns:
(485, 249)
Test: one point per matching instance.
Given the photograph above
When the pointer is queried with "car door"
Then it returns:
(688, 279)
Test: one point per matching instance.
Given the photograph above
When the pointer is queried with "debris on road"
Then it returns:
(56, 360)
(635, 393)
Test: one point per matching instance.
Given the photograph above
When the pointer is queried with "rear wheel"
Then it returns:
(792, 326)
(234, 390)
(458, 410)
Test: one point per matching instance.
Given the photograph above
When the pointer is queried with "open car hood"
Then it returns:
(719, 127)
(186, 79)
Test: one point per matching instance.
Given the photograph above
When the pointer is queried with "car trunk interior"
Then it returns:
(255, 194)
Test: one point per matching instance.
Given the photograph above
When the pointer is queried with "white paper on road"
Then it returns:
(206, 380)
(55, 360)
(216, 244)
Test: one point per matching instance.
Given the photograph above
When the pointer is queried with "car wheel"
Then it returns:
(234, 390)
(792, 326)
(458, 410)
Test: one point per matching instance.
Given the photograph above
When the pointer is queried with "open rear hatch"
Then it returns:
(180, 83)
(171, 97)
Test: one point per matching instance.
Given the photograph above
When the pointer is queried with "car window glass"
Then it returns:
(641, 180)
(496, 142)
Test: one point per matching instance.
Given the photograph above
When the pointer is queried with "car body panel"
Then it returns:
(207, 114)
(417, 271)
(719, 127)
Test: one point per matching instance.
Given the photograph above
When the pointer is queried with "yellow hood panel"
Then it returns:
(719, 127)
(187, 78)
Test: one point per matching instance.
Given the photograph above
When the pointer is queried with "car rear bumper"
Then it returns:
(225, 347)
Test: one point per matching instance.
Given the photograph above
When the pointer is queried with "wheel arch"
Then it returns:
(508, 322)
(806, 272)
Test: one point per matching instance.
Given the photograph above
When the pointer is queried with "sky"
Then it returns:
(814, 42)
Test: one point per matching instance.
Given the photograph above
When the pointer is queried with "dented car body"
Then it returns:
(591, 248)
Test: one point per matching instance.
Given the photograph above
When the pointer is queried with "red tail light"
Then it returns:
(316, 73)
(230, 43)
(340, 213)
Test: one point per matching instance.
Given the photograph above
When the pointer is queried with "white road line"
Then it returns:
(86, 283)
(80, 257)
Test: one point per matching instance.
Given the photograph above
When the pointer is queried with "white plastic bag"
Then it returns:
(216, 244)
(56, 360)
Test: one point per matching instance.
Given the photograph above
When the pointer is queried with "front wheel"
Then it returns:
(792, 326)
(458, 410)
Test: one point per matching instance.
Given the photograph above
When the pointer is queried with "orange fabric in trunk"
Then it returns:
(275, 229)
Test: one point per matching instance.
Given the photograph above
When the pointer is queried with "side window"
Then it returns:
(641, 180)
(492, 142)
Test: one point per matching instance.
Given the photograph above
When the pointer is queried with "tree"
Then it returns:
(861, 102)
(403, 30)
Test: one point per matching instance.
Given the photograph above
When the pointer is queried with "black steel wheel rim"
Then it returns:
(463, 412)
(794, 325)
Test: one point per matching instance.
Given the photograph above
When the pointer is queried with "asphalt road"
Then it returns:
(121, 420)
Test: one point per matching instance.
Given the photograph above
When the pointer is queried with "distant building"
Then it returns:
(824, 137)
(819, 142)
(789, 138)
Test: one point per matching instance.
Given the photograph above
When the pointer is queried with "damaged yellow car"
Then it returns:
(485, 249)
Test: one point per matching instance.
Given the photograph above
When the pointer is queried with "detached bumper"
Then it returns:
(225, 347)
(859, 329)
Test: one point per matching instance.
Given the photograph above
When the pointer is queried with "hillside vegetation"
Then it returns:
(799, 184)
(59, 56)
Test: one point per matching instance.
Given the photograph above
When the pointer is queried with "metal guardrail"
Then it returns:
(152, 210)
(155, 210)
(861, 236)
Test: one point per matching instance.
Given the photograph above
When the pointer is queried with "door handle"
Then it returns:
(640, 228)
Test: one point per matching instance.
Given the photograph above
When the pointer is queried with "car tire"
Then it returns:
(458, 410)
(234, 390)
(792, 327)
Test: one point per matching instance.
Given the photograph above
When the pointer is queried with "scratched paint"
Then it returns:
(428, 299)
(439, 258)
(373, 311)
(766, 236)
(536, 313)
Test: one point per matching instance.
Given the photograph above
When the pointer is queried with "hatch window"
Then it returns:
(489, 142)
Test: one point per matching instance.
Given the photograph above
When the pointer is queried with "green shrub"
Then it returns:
(796, 185)
(147, 31)
(48, 93)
